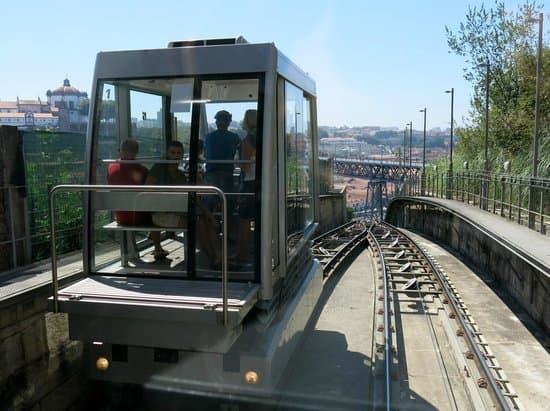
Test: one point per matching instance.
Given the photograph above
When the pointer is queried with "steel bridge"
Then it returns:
(376, 168)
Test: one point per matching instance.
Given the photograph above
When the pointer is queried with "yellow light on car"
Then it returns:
(102, 364)
(251, 377)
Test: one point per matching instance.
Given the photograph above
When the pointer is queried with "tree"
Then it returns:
(83, 106)
(507, 42)
(323, 133)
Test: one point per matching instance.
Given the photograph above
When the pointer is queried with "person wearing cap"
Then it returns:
(222, 145)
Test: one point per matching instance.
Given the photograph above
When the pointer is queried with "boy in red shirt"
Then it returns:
(122, 173)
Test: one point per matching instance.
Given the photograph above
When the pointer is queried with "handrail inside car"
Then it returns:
(160, 161)
(182, 189)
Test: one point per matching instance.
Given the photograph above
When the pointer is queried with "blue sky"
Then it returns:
(374, 62)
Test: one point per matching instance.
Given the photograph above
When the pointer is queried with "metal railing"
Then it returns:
(142, 188)
(525, 200)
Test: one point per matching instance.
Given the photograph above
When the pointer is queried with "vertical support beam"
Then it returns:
(410, 148)
(423, 180)
(450, 172)
(13, 219)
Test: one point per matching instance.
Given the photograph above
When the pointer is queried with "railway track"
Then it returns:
(333, 247)
(428, 348)
(427, 351)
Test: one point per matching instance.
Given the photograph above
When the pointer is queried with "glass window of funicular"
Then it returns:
(154, 112)
(229, 137)
(138, 110)
(106, 129)
(146, 122)
(299, 164)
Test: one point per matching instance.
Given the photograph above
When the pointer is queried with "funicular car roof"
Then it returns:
(200, 60)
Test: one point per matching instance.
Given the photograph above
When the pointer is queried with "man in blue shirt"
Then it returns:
(222, 145)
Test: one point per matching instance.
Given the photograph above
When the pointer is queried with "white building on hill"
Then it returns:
(67, 100)
(59, 112)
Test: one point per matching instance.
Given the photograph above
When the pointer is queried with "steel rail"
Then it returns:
(470, 339)
(341, 232)
(387, 328)
(388, 238)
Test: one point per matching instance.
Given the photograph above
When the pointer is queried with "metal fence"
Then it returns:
(51, 159)
(42, 160)
(525, 200)
(58, 158)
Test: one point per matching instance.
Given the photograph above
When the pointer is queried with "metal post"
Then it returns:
(494, 196)
(399, 156)
(381, 204)
(502, 189)
(484, 182)
(541, 211)
(537, 123)
(405, 145)
(452, 127)
(486, 165)
(450, 176)
(423, 181)
(537, 99)
(410, 148)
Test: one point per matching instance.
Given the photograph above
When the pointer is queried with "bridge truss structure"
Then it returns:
(386, 170)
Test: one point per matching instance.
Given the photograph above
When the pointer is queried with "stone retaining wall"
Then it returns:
(510, 269)
(40, 368)
(332, 211)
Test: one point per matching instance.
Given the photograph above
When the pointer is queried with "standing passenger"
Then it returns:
(221, 144)
(247, 208)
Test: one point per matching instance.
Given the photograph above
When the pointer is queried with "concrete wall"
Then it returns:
(512, 271)
(40, 368)
(332, 211)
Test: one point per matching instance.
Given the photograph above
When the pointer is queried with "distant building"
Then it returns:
(33, 106)
(8, 107)
(338, 140)
(66, 99)
(29, 114)
(29, 120)
(59, 112)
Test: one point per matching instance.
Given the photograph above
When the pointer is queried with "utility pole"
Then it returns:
(405, 145)
(537, 123)
(450, 176)
(485, 182)
(410, 147)
(423, 181)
